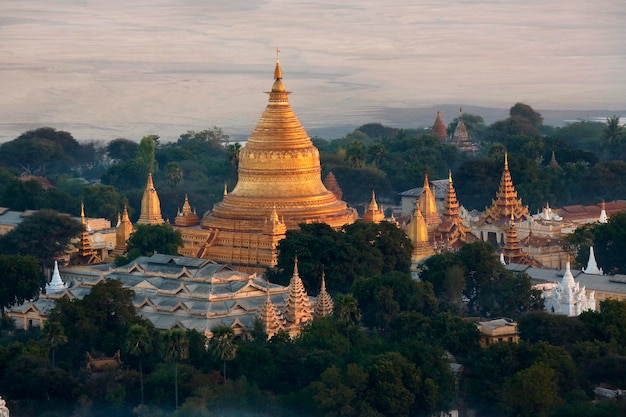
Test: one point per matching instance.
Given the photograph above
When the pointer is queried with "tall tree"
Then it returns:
(222, 344)
(177, 349)
(137, 344)
(53, 336)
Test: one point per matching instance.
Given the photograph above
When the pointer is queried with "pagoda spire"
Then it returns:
(86, 254)
(427, 205)
(270, 317)
(186, 216)
(506, 201)
(373, 214)
(418, 233)
(150, 205)
(451, 203)
(323, 303)
(122, 233)
(452, 230)
(56, 284)
(298, 310)
(592, 265)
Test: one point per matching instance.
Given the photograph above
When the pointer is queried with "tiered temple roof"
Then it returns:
(506, 202)
(452, 232)
(460, 137)
(298, 310)
(512, 248)
(323, 303)
(418, 233)
(86, 253)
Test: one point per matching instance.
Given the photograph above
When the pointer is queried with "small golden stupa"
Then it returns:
(279, 187)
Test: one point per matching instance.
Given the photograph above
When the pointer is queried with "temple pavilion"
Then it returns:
(279, 187)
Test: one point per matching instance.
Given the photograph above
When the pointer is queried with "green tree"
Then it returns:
(102, 201)
(20, 280)
(53, 336)
(355, 154)
(222, 344)
(173, 174)
(532, 392)
(44, 235)
(347, 314)
(149, 239)
(122, 149)
(138, 344)
(146, 153)
(177, 349)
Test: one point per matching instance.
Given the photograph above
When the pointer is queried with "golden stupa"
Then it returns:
(279, 187)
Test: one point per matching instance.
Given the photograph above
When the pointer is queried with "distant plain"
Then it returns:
(103, 69)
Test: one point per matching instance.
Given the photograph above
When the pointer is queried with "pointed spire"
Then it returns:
(373, 214)
(324, 303)
(56, 284)
(299, 309)
(274, 215)
(186, 217)
(568, 278)
(592, 265)
(428, 206)
(150, 205)
(373, 205)
(225, 189)
(82, 213)
(506, 161)
(553, 162)
(502, 258)
(603, 217)
(270, 317)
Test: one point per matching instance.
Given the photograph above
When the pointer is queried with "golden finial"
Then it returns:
(426, 185)
(278, 73)
(506, 160)
(225, 189)
(450, 176)
(82, 212)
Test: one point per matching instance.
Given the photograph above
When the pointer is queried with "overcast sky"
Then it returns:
(103, 69)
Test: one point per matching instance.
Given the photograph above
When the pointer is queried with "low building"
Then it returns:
(497, 331)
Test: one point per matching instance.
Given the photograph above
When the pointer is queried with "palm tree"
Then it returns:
(222, 346)
(613, 129)
(347, 313)
(54, 336)
(137, 343)
(177, 349)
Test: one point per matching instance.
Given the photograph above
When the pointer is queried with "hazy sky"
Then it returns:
(125, 68)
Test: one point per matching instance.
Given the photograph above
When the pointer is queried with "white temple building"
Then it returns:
(568, 298)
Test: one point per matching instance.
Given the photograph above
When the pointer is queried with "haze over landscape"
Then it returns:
(107, 69)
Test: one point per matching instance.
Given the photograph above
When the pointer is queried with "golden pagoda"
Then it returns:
(452, 232)
(186, 216)
(418, 233)
(271, 317)
(427, 206)
(279, 171)
(460, 137)
(150, 205)
(373, 214)
(506, 202)
(439, 130)
(122, 233)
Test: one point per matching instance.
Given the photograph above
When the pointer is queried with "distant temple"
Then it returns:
(568, 298)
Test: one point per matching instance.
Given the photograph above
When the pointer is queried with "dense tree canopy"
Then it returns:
(149, 239)
(20, 280)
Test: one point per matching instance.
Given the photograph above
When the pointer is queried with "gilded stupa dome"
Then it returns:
(279, 169)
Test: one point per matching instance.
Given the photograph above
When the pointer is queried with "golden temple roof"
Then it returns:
(506, 201)
(427, 205)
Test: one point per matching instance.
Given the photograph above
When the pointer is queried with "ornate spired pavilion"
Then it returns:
(279, 186)
(506, 202)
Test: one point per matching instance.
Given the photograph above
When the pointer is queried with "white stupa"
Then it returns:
(592, 266)
(56, 284)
